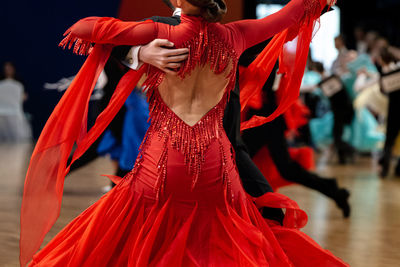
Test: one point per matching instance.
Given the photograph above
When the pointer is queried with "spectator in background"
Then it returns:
(390, 84)
(13, 124)
(376, 48)
(375, 44)
(339, 65)
(370, 39)
(361, 43)
(395, 51)
(343, 113)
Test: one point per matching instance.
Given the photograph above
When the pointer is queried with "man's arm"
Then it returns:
(159, 53)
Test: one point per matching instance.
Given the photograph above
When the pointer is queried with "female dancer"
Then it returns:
(182, 204)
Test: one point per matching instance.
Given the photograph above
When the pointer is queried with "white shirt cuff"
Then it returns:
(132, 58)
(177, 12)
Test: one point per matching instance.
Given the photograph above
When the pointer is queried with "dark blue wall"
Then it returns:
(30, 33)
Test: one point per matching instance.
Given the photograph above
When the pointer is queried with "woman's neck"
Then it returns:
(190, 10)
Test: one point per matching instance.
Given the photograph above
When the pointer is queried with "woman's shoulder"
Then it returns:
(11, 85)
(227, 34)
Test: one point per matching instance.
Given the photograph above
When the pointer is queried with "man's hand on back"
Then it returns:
(160, 54)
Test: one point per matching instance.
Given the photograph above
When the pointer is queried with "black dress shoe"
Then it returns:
(341, 198)
(346, 154)
(273, 214)
(339, 195)
(342, 157)
(397, 170)
(385, 164)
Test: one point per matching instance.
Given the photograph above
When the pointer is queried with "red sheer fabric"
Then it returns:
(45, 178)
(67, 124)
(296, 116)
(66, 127)
(291, 47)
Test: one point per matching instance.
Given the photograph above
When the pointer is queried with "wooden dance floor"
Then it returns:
(369, 238)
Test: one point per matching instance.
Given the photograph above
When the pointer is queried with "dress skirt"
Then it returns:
(213, 224)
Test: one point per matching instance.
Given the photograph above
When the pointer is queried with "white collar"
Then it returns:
(177, 12)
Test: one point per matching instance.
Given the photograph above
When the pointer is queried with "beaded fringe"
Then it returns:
(81, 47)
(191, 141)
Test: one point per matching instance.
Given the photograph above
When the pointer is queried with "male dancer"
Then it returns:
(272, 135)
(341, 104)
(390, 85)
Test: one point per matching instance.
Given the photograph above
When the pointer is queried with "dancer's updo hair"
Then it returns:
(211, 10)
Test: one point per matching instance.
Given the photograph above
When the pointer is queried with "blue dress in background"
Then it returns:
(134, 128)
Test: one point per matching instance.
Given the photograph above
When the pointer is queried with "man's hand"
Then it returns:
(160, 54)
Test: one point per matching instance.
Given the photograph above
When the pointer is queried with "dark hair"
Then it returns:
(169, 4)
(318, 67)
(211, 10)
(342, 38)
(3, 74)
(386, 56)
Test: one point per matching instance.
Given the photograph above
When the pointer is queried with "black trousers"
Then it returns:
(252, 179)
(393, 124)
(343, 114)
(273, 136)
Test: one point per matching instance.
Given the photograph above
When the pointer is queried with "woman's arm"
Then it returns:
(296, 12)
(365, 79)
(105, 30)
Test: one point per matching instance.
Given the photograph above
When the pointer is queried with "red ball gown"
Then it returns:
(183, 203)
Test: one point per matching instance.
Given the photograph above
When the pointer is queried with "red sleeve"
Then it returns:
(251, 32)
(106, 30)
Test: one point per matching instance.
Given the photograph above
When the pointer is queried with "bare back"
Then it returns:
(192, 97)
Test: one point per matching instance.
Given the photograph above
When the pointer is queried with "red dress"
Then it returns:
(183, 203)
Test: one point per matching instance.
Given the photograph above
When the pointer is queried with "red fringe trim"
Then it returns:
(312, 11)
(191, 141)
(81, 47)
